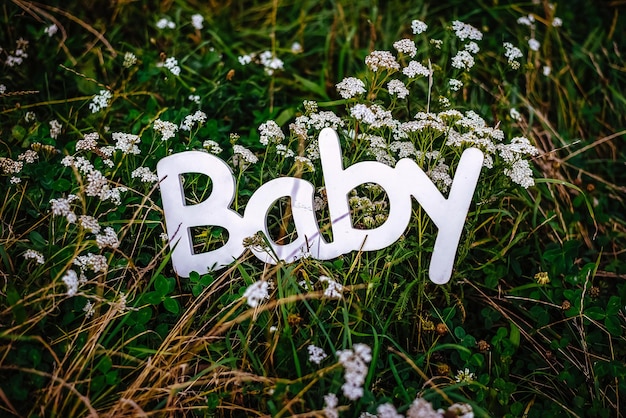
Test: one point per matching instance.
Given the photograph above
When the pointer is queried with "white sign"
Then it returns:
(401, 183)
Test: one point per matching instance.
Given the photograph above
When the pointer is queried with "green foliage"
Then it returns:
(96, 322)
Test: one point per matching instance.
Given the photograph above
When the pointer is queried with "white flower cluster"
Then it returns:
(414, 69)
(350, 87)
(61, 207)
(270, 132)
(95, 262)
(512, 53)
(406, 46)
(51, 30)
(330, 406)
(333, 290)
(534, 44)
(198, 116)
(212, 146)
(89, 223)
(55, 128)
(171, 64)
(145, 175)
(127, 143)
(242, 153)
(417, 26)
(97, 184)
(465, 31)
(381, 60)
(165, 128)
(355, 363)
(88, 143)
(387, 410)
(256, 293)
(100, 101)
(18, 55)
(196, 21)
(129, 60)
(70, 278)
(34, 255)
(165, 22)
(270, 62)
(397, 88)
(316, 354)
(108, 239)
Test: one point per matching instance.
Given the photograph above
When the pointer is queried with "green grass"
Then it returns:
(531, 324)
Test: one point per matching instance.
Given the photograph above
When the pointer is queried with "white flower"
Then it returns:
(145, 175)
(464, 376)
(194, 98)
(89, 223)
(406, 46)
(521, 173)
(255, 293)
(464, 31)
(534, 44)
(100, 101)
(61, 207)
(245, 154)
(95, 262)
(397, 87)
(196, 21)
(455, 84)
(55, 128)
(270, 132)
(199, 117)
(333, 289)
(381, 60)
(350, 87)
(165, 128)
(89, 310)
(526, 20)
(387, 410)
(108, 239)
(415, 68)
(29, 156)
(355, 367)
(171, 64)
(129, 60)
(463, 60)
(472, 47)
(165, 23)
(421, 408)
(71, 281)
(244, 59)
(418, 27)
(3, 89)
(34, 255)
(88, 143)
(212, 146)
(270, 62)
(127, 143)
(316, 354)
(546, 70)
(330, 406)
(512, 53)
(557, 22)
(51, 30)
(296, 48)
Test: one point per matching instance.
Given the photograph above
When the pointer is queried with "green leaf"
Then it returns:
(171, 305)
(613, 306)
(595, 312)
(613, 325)
(61, 185)
(162, 285)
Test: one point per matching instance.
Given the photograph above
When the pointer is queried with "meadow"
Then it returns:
(95, 320)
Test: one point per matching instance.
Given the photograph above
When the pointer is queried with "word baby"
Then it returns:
(401, 183)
